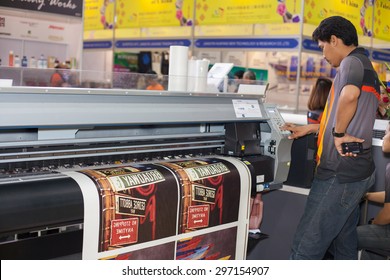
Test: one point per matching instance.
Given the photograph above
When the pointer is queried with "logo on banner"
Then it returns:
(127, 205)
(124, 231)
(198, 216)
(132, 180)
(203, 194)
(206, 171)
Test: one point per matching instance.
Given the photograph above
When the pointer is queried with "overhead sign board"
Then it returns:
(248, 43)
(151, 43)
(61, 7)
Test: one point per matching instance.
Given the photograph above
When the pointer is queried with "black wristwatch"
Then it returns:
(338, 135)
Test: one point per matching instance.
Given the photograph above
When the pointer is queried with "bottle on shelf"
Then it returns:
(16, 61)
(44, 64)
(24, 61)
(33, 62)
(41, 62)
(11, 58)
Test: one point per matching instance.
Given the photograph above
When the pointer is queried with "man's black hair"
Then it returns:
(338, 26)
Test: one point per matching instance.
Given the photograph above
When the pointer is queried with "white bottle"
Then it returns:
(44, 64)
(41, 62)
(17, 61)
(33, 62)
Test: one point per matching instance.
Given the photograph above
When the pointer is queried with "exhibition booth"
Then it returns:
(103, 167)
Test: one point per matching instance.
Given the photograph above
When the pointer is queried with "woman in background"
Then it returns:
(317, 100)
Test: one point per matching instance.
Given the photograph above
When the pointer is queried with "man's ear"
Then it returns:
(334, 40)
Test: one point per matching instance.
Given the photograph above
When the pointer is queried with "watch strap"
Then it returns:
(336, 134)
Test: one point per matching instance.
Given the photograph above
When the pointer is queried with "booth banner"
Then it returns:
(360, 13)
(248, 43)
(382, 20)
(97, 45)
(249, 11)
(154, 13)
(60, 7)
(151, 44)
(35, 30)
(99, 14)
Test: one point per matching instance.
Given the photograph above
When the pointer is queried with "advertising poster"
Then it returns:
(382, 20)
(154, 13)
(99, 14)
(138, 204)
(217, 245)
(160, 252)
(210, 191)
(250, 11)
(124, 63)
(360, 13)
(191, 209)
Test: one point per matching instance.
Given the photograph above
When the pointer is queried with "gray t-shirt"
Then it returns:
(356, 69)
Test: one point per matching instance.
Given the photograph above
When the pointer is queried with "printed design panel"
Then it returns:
(160, 252)
(218, 245)
(210, 193)
(138, 203)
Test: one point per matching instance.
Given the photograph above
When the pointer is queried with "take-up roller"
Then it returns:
(56, 142)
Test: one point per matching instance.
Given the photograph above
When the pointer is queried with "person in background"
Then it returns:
(331, 213)
(152, 82)
(235, 82)
(249, 76)
(238, 74)
(256, 201)
(256, 216)
(376, 234)
(384, 103)
(317, 100)
(61, 76)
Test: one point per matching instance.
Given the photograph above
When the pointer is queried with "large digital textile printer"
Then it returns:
(129, 174)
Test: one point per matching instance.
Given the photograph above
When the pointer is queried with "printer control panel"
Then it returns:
(276, 119)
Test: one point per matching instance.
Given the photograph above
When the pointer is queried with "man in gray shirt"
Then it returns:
(342, 178)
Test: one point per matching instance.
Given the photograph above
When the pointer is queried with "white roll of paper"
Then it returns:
(191, 75)
(178, 63)
(202, 68)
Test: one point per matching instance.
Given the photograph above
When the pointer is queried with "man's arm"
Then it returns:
(346, 109)
(300, 130)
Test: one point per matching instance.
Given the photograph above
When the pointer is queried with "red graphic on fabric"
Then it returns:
(150, 213)
(124, 231)
(198, 216)
(218, 202)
